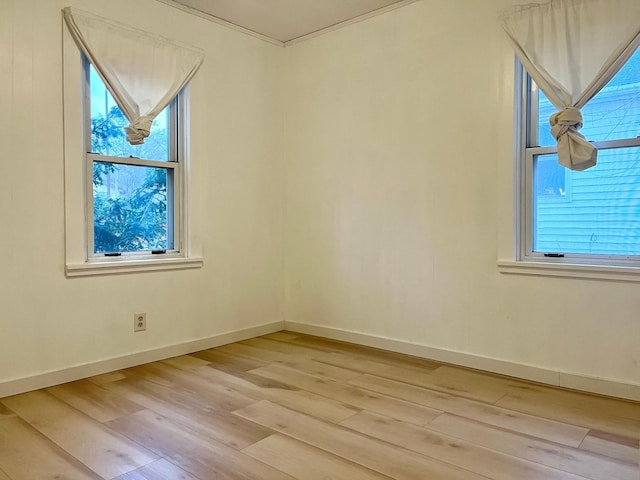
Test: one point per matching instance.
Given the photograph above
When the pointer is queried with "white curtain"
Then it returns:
(143, 71)
(571, 49)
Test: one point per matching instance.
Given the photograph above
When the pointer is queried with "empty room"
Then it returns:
(320, 239)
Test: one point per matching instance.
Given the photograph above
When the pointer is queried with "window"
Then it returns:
(133, 192)
(589, 217)
(126, 207)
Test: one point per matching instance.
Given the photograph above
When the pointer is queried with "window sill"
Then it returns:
(567, 270)
(120, 266)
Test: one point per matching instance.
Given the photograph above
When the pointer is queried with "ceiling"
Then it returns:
(286, 20)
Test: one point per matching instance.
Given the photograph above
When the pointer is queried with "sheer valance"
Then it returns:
(571, 49)
(142, 71)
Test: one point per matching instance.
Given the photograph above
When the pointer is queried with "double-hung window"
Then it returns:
(126, 145)
(133, 192)
(583, 217)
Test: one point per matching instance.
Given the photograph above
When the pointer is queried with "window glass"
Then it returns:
(107, 124)
(549, 177)
(602, 213)
(130, 208)
(132, 203)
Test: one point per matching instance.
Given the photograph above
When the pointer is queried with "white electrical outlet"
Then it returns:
(139, 322)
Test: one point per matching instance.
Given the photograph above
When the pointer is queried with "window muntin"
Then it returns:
(133, 191)
(591, 216)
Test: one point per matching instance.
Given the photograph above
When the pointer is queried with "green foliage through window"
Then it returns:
(129, 208)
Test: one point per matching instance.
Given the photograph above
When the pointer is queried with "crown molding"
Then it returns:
(222, 22)
(351, 21)
(294, 41)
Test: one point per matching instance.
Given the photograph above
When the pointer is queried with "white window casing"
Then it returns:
(78, 176)
(528, 261)
(571, 50)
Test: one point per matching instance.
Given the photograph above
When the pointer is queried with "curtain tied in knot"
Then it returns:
(574, 151)
(137, 132)
(568, 119)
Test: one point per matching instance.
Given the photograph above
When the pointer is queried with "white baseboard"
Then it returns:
(601, 386)
(56, 377)
(512, 369)
(528, 372)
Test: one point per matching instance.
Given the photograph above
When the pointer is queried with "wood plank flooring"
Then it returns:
(293, 406)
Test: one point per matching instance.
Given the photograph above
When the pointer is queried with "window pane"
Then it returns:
(107, 123)
(614, 113)
(130, 208)
(549, 177)
(602, 213)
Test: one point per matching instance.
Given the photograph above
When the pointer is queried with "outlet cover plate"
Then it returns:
(139, 322)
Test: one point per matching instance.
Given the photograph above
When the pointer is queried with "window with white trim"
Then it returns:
(593, 216)
(133, 192)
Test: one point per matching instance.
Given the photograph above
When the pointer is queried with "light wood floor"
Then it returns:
(290, 406)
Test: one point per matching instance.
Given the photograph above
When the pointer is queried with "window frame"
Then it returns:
(174, 181)
(527, 149)
(173, 203)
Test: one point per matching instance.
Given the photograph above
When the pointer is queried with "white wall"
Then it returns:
(398, 191)
(49, 322)
(399, 196)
